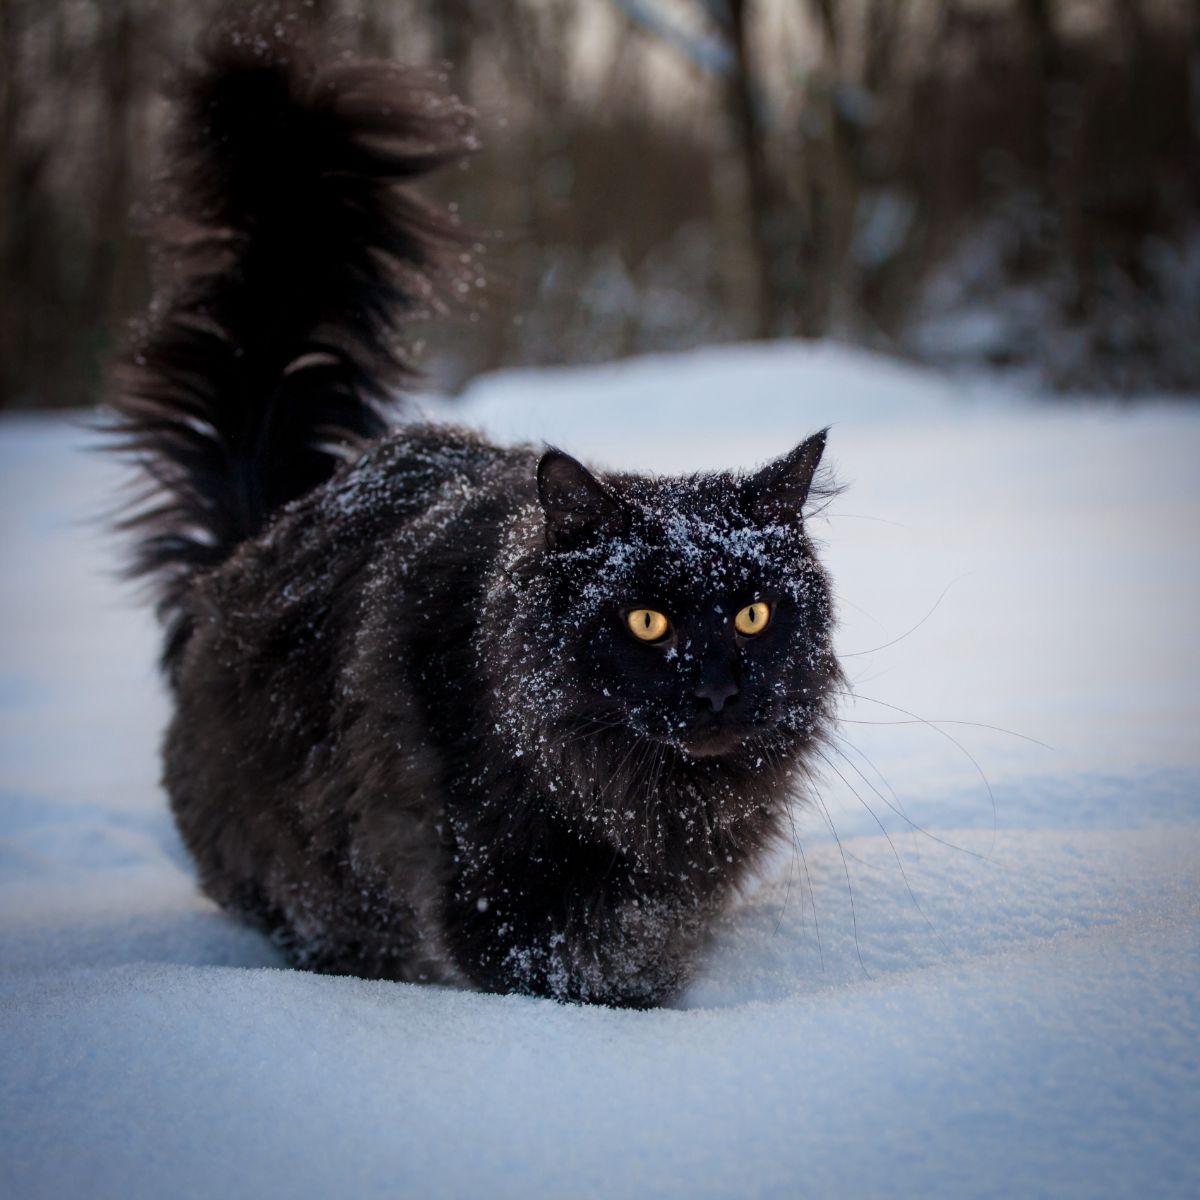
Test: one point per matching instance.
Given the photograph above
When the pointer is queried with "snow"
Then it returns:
(999, 995)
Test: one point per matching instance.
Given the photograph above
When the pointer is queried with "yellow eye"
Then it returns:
(647, 625)
(753, 618)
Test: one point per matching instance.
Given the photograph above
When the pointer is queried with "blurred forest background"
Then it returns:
(1003, 182)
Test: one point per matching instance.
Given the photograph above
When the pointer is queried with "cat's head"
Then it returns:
(689, 612)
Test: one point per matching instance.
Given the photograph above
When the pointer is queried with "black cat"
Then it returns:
(444, 710)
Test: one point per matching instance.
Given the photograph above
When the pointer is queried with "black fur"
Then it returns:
(414, 736)
(286, 256)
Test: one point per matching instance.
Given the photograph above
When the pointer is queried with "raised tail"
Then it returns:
(287, 253)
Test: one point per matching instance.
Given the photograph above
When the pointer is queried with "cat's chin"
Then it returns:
(712, 743)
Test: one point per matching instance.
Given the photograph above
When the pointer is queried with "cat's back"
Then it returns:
(300, 658)
(304, 569)
(277, 628)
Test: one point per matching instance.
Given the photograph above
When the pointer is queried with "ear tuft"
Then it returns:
(577, 505)
(778, 492)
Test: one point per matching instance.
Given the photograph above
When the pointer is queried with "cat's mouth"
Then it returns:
(706, 736)
(710, 740)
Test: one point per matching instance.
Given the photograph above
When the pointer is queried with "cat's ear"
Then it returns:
(778, 492)
(577, 505)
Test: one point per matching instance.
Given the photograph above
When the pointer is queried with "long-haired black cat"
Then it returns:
(443, 710)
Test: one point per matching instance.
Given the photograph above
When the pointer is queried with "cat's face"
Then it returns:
(690, 612)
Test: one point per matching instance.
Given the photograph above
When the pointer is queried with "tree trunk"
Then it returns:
(102, 294)
(1037, 16)
(750, 136)
(9, 200)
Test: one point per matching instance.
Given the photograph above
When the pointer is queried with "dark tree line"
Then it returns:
(1011, 181)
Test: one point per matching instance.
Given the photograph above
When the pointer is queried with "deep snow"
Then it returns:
(998, 996)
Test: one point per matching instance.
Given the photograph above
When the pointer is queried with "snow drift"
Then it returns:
(975, 973)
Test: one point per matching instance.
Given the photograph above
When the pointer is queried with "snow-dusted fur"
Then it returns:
(414, 736)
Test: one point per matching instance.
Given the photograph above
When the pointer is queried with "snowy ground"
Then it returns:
(983, 990)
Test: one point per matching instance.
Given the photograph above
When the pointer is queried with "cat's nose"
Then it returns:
(717, 691)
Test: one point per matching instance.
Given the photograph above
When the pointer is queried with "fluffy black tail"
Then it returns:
(286, 255)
